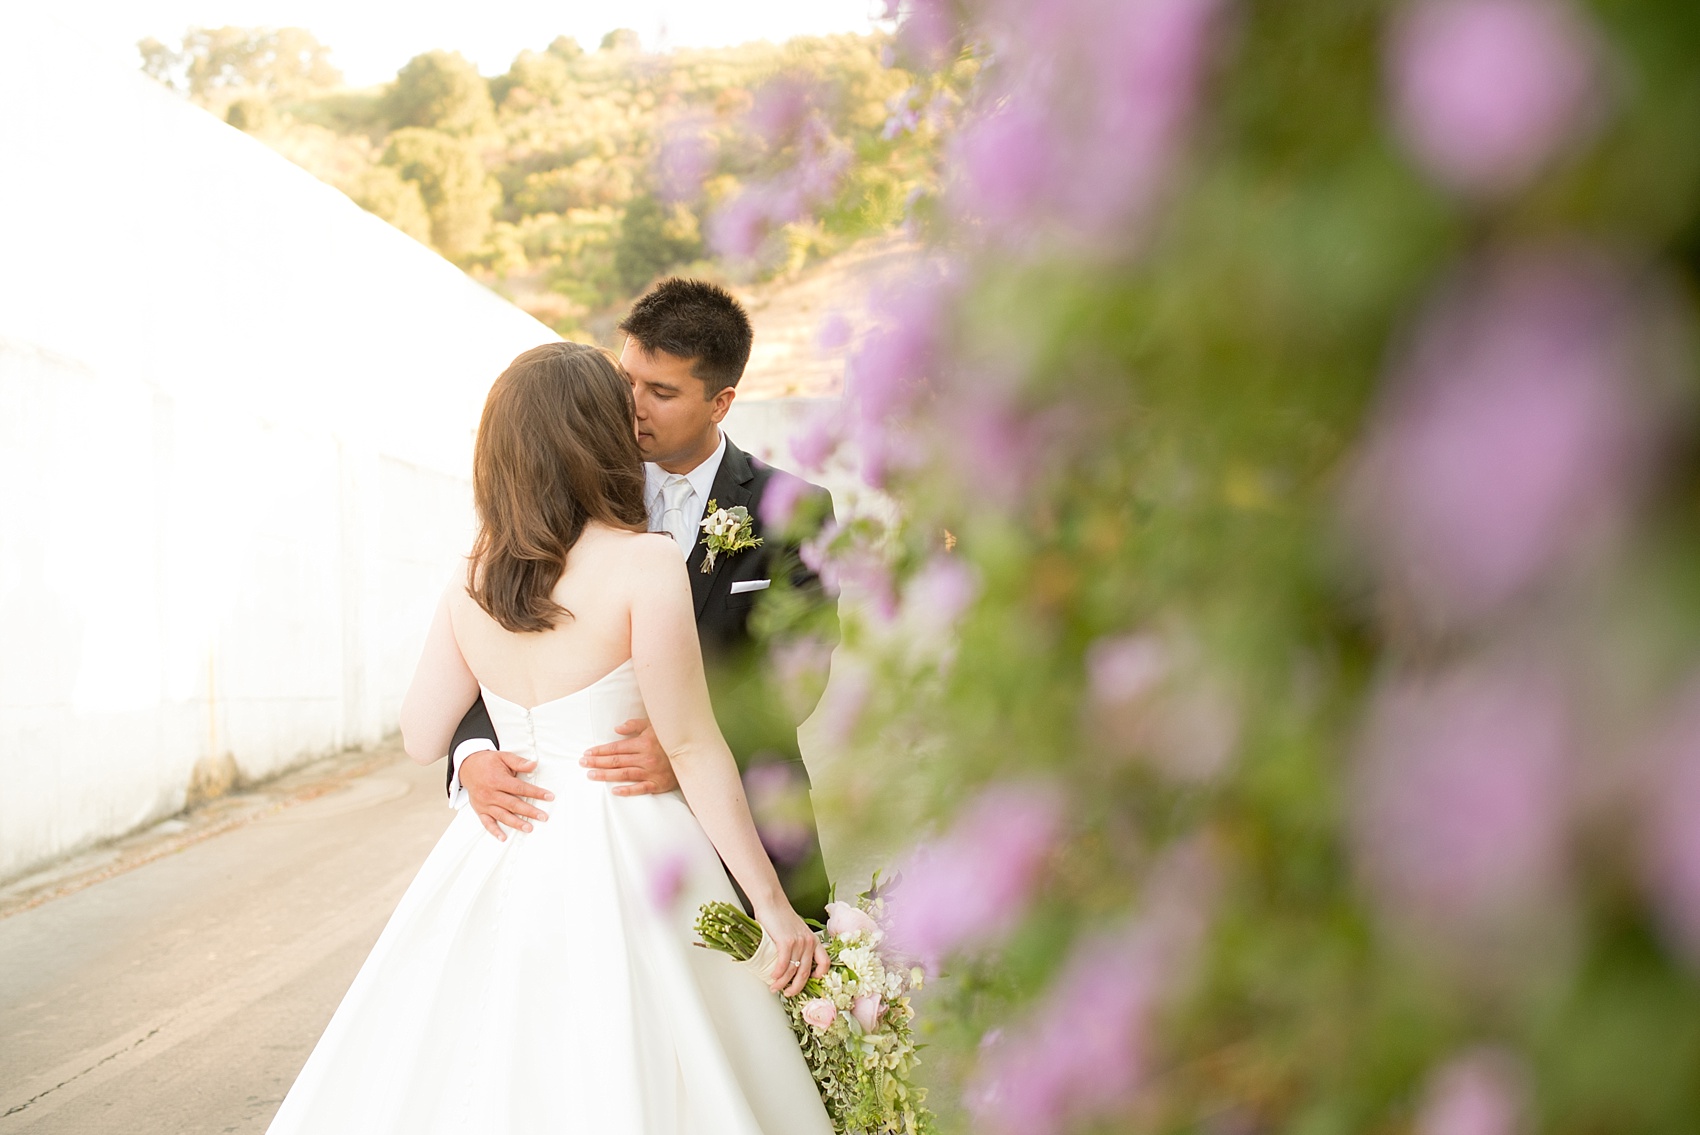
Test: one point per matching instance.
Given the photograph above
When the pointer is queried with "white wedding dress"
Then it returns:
(548, 983)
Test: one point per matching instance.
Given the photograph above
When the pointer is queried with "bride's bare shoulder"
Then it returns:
(645, 552)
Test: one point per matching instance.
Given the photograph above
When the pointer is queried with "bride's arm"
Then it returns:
(443, 689)
(668, 661)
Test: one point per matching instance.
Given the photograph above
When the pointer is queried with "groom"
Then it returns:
(687, 342)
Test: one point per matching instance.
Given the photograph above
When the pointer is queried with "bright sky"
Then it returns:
(371, 39)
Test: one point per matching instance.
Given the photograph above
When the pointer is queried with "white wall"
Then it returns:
(236, 416)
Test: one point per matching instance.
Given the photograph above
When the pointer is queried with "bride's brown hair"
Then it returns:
(557, 448)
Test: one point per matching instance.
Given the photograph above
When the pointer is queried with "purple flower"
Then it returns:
(1480, 1092)
(685, 159)
(1485, 92)
(834, 333)
(1125, 669)
(1462, 796)
(816, 444)
(1005, 163)
(779, 501)
(800, 669)
(941, 591)
(1084, 1051)
(1186, 727)
(928, 31)
(667, 880)
(972, 887)
(1510, 436)
(779, 803)
(1673, 833)
(1079, 132)
(781, 107)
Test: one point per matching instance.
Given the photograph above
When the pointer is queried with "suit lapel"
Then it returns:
(731, 488)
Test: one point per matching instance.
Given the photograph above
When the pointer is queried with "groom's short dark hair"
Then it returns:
(697, 320)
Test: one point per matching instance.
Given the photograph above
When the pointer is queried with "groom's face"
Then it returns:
(676, 420)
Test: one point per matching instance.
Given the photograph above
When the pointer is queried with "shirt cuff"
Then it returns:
(457, 794)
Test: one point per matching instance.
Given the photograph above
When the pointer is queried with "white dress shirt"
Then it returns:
(654, 476)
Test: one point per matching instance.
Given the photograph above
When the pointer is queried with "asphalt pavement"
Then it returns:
(175, 982)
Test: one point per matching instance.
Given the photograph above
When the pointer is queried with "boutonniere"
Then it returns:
(729, 530)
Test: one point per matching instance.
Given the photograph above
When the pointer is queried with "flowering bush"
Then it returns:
(1284, 637)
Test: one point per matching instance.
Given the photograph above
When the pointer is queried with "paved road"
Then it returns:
(182, 996)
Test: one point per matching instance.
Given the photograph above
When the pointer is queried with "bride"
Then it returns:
(547, 982)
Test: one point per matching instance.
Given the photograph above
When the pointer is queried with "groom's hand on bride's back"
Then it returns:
(636, 763)
(495, 791)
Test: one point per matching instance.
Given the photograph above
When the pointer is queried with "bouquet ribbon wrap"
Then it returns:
(761, 962)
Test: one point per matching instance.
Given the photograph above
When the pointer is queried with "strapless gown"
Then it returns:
(548, 983)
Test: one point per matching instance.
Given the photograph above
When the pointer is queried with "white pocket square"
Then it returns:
(751, 585)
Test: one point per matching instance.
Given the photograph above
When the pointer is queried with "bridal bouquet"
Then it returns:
(854, 1024)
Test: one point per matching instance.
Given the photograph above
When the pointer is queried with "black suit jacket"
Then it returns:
(760, 726)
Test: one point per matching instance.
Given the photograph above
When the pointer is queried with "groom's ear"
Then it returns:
(722, 402)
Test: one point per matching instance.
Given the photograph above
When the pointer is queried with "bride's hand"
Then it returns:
(801, 955)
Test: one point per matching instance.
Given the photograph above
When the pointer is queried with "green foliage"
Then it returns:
(653, 238)
(268, 62)
(538, 77)
(571, 141)
(621, 39)
(441, 91)
(382, 190)
(457, 191)
(1186, 412)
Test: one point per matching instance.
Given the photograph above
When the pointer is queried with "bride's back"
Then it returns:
(596, 589)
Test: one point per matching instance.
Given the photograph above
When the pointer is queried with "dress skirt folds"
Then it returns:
(548, 983)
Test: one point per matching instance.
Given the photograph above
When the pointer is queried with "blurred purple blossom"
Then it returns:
(1462, 796)
(971, 887)
(783, 114)
(1673, 831)
(891, 367)
(779, 803)
(1093, 104)
(667, 880)
(1485, 92)
(800, 669)
(1186, 725)
(1085, 1049)
(941, 590)
(685, 159)
(1480, 1092)
(815, 444)
(843, 702)
(928, 30)
(1123, 669)
(995, 447)
(781, 106)
(834, 332)
(1510, 436)
(779, 501)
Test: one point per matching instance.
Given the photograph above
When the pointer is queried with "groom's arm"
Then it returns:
(475, 734)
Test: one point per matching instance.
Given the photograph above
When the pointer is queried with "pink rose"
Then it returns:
(820, 1013)
(843, 920)
(866, 1009)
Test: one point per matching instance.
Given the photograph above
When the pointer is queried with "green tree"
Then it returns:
(269, 62)
(383, 191)
(565, 47)
(441, 91)
(251, 115)
(654, 238)
(457, 191)
(621, 39)
(536, 76)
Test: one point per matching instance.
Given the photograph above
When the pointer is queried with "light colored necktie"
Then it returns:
(675, 494)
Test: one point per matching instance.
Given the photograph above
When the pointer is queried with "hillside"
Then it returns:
(573, 179)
